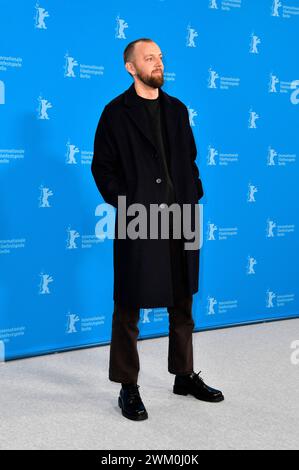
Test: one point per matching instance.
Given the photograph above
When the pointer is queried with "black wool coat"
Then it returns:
(125, 162)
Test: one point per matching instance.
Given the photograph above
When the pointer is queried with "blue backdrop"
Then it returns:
(234, 64)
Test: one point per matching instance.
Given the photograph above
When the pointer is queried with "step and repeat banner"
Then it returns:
(234, 64)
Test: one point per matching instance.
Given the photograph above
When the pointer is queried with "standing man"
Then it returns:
(144, 152)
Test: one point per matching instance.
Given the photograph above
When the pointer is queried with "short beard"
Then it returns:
(154, 81)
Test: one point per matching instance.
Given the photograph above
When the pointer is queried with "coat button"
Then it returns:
(158, 180)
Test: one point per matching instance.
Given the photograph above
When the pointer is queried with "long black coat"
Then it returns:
(125, 162)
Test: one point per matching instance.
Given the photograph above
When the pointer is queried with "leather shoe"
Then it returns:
(194, 385)
(131, 404)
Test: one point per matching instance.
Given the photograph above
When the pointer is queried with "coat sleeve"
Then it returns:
(105, 165)
(193, 154)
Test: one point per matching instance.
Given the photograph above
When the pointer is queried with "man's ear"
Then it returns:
(130, 68)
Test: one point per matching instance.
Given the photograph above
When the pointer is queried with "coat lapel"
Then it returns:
(137, 113)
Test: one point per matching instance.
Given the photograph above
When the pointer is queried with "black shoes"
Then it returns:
(194, 385)
(131, 404)
(132, 407)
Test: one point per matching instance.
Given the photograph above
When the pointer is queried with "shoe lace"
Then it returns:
(196, 376)
(133, 393)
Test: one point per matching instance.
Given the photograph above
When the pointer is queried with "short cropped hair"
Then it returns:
(129, 50)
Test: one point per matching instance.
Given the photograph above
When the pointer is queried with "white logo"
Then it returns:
(43, 106)
(271, 155)
(44, 284)
(71, 323)
(251, 262)
(45, 193)
(255, 40)
(213, 75)
(192, 114)
(282, 159)
(226, 82)
(41, 14)
(223, 158)
(287, 10)
(211, 231)
(224, 5)
(191, 35)
(146, 312)
(70, 63)
(270, 296)
(223, 232)
(270, 227)
(253, 116)
(275, 7)
(210, 306)
(121, 25)
(251, 192)
(70, 153)
(281, 300)
(281, 230)
(86, 71)
(223, 306)
(273, 81)
(212, 153)
(277, 85)
(72, 236)
(213, 4)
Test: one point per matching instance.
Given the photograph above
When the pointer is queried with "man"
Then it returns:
(144, 152)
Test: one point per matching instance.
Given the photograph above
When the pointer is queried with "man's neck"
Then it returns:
(146, 91)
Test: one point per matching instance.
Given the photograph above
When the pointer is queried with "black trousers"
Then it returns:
(124, 359)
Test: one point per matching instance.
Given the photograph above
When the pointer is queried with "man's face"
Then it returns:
(148, 64)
